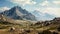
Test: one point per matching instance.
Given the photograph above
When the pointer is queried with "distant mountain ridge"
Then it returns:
(42, 16)
(19, 14)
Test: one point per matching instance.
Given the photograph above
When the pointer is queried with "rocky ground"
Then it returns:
(28, 27)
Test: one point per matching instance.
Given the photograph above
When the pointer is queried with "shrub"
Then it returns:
(58, 28)
(39, 32)
(54, 33)
(28, 31)
(46, 32)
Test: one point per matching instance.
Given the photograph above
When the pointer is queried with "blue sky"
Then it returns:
(51, 7)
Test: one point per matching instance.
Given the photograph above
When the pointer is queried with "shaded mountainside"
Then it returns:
(19, 14)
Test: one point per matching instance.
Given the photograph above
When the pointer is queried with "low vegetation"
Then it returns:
(28, 27)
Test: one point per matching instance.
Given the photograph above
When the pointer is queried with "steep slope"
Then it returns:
(19, 13)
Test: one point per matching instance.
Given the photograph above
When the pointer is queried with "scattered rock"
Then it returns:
(12, 29)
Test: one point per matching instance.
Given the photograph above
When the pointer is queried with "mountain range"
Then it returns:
(42, 16)
(18, 13)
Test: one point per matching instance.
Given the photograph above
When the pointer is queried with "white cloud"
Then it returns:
(56, 2)
(4, 8)
(50, 10)
(23, 2)
(45, 3)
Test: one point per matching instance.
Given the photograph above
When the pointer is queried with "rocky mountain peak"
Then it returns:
(18, 13)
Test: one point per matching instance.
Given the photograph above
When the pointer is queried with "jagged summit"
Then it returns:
(18, 13)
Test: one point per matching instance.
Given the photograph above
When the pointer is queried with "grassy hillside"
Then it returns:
(5, 28)
(29, 27)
